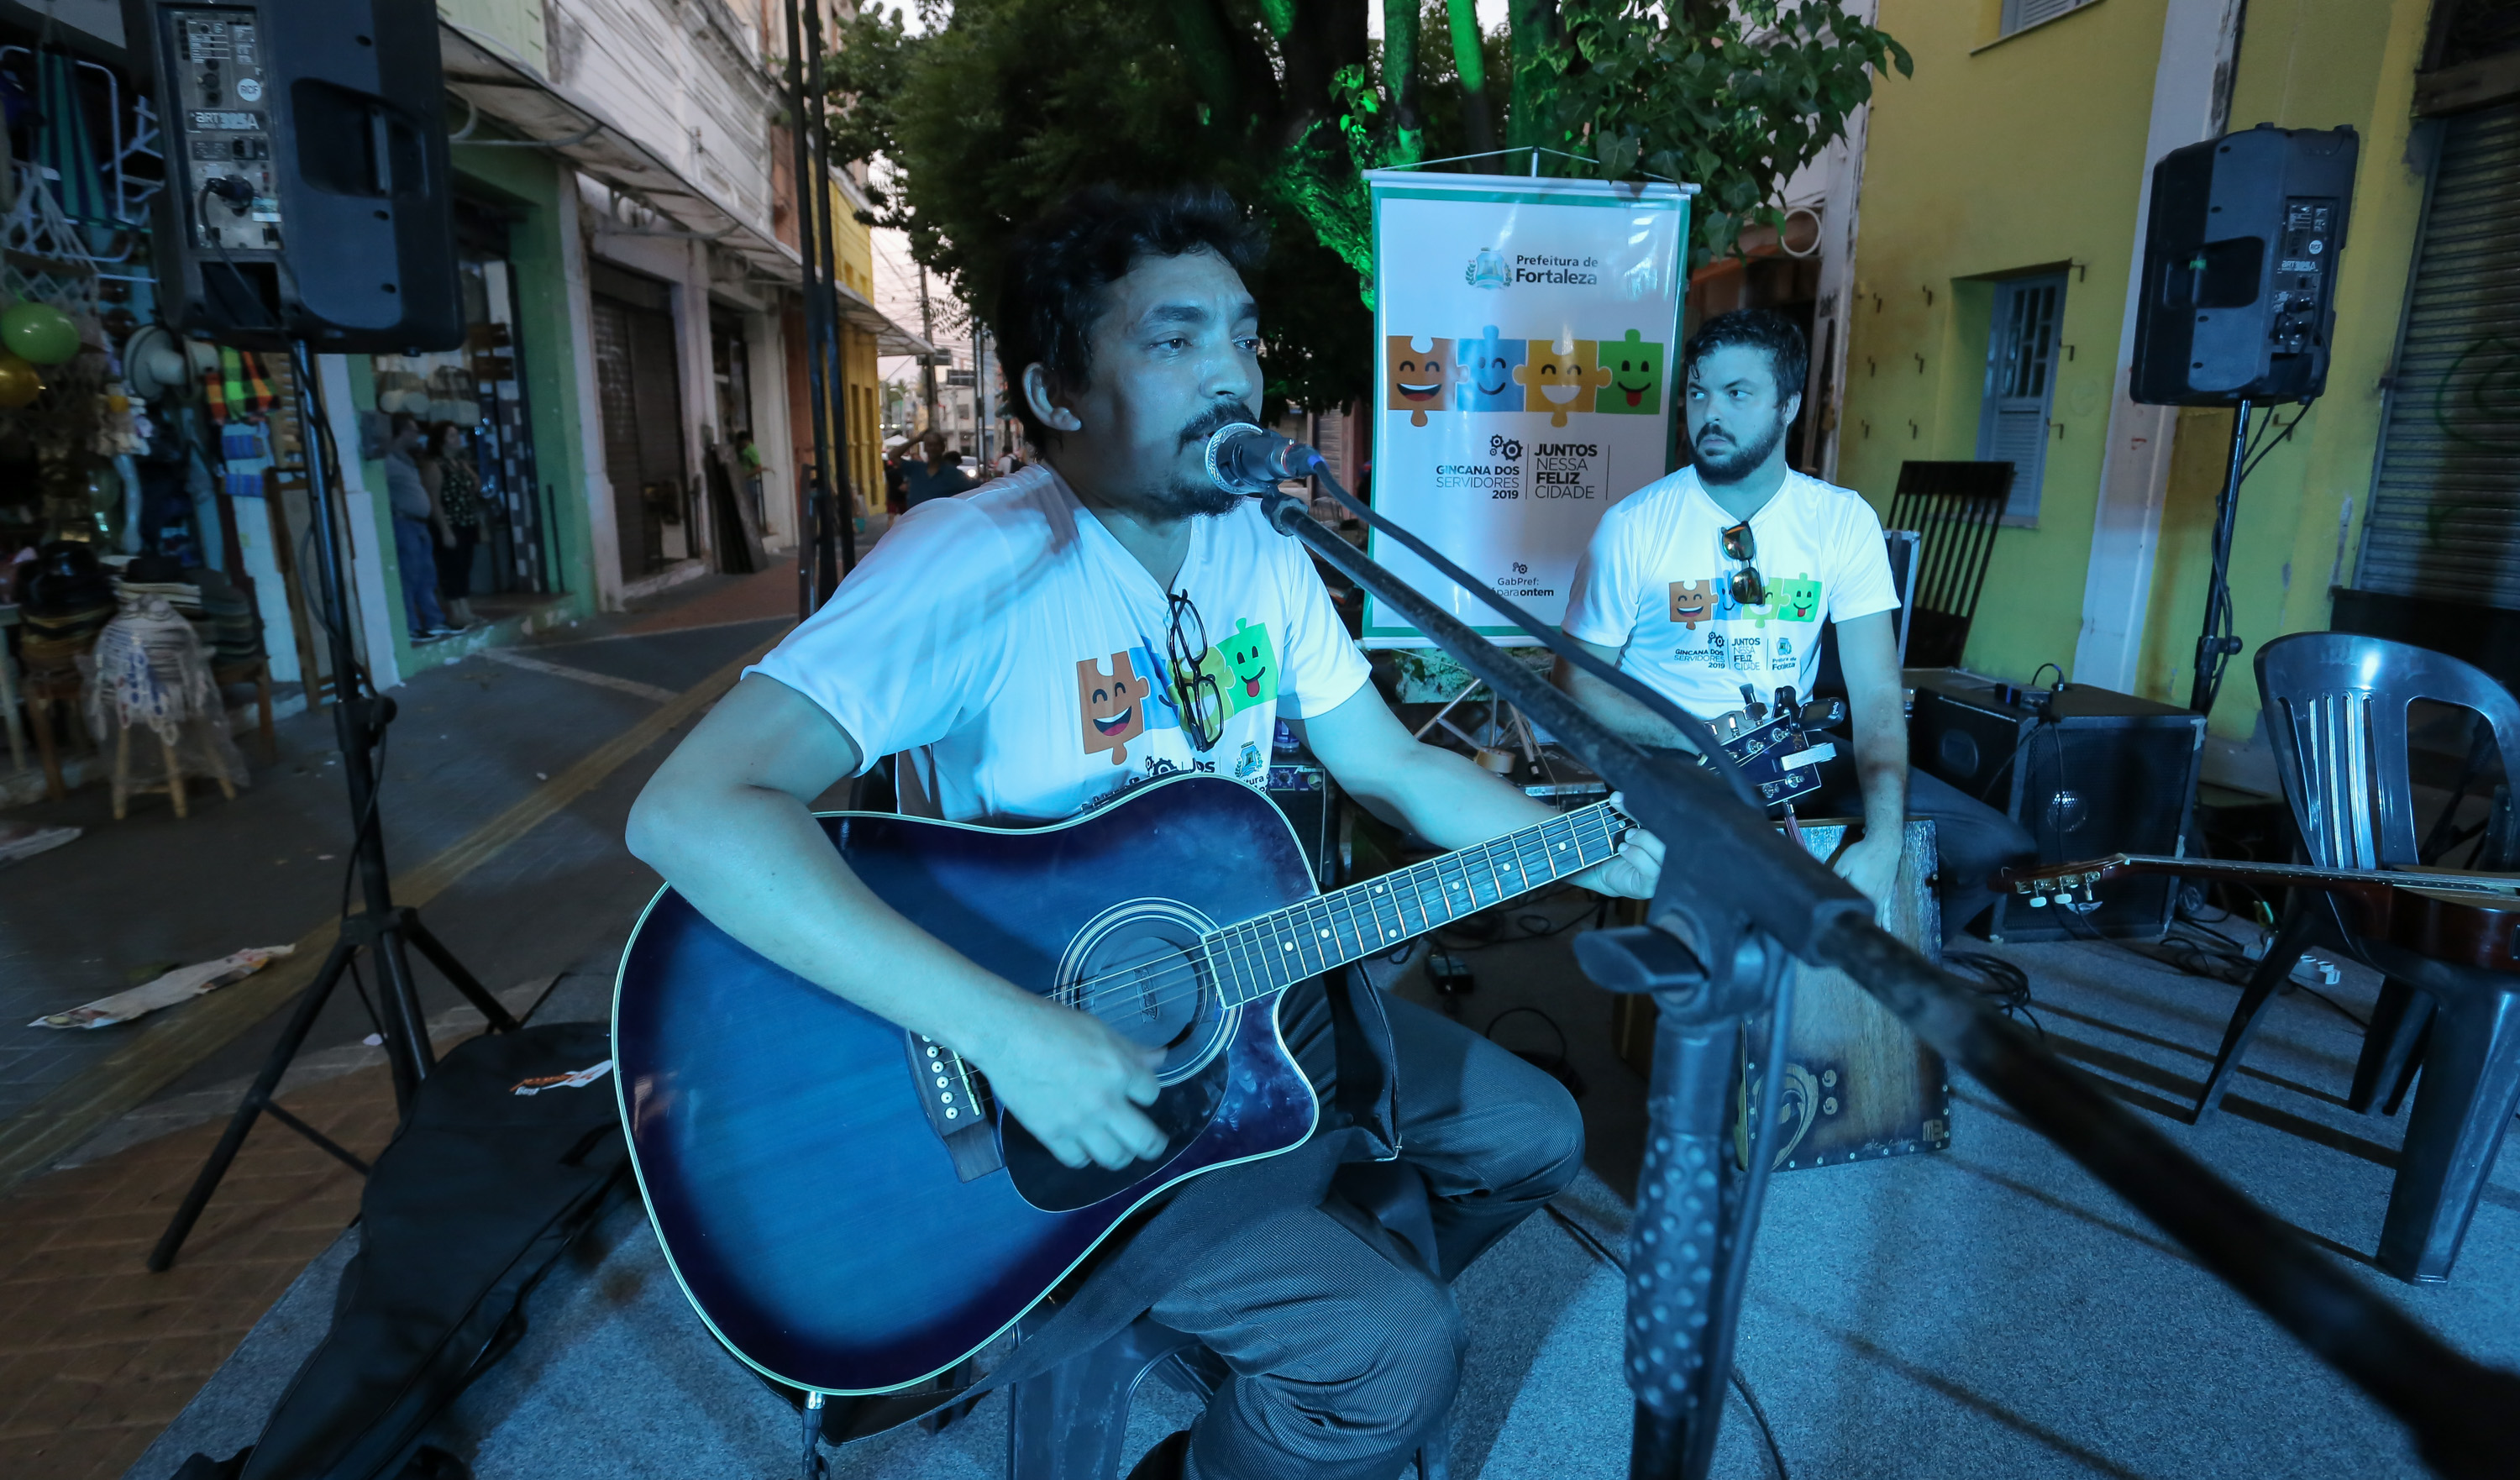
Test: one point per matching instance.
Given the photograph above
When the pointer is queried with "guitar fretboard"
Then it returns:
(1276, 951)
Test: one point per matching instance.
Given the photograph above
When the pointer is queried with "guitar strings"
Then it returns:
(1589, 827)
(1156, 992)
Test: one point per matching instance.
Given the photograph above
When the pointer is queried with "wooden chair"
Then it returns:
(255, 670)
(1953, 508)
(46, 687)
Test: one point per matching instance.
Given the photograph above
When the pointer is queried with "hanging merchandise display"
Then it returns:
(1525, 328)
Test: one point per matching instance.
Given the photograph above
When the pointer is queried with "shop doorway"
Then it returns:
(735, 512)
(638, 392)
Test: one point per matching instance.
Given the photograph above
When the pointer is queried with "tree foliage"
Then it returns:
(998, 107)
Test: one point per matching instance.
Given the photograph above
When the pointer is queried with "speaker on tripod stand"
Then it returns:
(308, 208)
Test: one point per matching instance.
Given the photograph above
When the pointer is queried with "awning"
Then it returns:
(498, 87)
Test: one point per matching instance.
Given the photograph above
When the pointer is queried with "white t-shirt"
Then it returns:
(1655, 583)
(1016, 654)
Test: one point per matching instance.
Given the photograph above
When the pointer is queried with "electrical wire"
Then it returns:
(1599, 1248)
(2000, 981)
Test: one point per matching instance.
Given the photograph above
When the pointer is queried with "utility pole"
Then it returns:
(980, 394)
(928, 362)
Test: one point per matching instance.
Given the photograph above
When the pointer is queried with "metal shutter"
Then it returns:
(2445, 520)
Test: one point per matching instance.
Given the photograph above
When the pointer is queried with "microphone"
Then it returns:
(1245, 459)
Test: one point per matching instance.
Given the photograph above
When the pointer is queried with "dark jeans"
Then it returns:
(455, 565)
(1344, 1350)
(1971, 840)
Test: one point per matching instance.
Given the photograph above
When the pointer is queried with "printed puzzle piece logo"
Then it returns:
(1635, 371)
(1114, 704)
(1561, 376)
(1250, 677)
(1162, 709)
(1487, 270)
(1418, 376)
(1486, 379)
(1796, 599)
(1691, 603)
(1728, 607)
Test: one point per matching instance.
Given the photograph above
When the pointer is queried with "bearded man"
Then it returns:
(1035, 647)
(1721, 575)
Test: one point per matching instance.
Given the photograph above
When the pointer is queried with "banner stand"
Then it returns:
(1526, 332)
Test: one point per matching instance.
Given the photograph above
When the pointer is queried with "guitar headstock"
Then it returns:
(2071, 886)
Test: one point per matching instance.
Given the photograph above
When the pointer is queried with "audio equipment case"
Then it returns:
(2087, 772)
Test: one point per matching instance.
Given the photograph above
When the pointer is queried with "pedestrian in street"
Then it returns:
(935, 475)
(453, 487)
(415, 542)
(895, 479)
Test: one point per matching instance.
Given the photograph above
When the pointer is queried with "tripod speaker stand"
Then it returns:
(385, 930)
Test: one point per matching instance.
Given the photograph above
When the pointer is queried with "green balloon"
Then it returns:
(38, 332)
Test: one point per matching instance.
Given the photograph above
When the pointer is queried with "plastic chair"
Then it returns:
(2336, 712)
(1070, 1422)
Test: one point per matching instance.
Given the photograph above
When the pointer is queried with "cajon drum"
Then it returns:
(1858, 1085)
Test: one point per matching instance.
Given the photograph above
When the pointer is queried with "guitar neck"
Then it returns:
(2310, 876)
(1275, 951)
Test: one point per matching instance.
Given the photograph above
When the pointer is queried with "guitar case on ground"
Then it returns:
(512, 1150)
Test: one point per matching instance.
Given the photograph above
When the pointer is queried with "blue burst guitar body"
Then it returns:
(839, 1200)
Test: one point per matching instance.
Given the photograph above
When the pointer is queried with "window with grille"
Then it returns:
(2014, 423)
(2021, 15)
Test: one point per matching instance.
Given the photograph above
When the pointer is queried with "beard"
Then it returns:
(1742, 459)
(1182, 495)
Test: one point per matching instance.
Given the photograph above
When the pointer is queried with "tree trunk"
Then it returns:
(1473, 66)
(1400, 24)
(1534, 25)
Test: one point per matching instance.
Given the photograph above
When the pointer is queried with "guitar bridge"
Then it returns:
(956, 1100)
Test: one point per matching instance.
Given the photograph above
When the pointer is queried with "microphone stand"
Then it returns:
(1713, 953)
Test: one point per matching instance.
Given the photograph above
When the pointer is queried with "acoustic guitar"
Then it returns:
(840, 1200)
(2464, 918)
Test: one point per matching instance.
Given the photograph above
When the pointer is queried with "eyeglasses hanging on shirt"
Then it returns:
(1195, 692)
(1741, 545)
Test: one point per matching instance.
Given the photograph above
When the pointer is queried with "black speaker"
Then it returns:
(2095, 773)
(308, 192)
(2239, 267)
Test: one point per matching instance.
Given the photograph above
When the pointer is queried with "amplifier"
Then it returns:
(2091, 772)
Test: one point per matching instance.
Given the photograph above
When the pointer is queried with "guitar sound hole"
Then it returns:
(1139, 973)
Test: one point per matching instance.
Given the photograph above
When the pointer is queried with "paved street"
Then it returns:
(531, 889)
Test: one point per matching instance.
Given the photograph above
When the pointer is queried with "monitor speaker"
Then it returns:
(308, 192)
(2239, 267)
(2087, 773)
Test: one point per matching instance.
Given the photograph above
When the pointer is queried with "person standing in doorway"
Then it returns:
(415, 547)
(454, 488)
(935, 475)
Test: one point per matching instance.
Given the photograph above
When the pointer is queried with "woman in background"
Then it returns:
(455, 507)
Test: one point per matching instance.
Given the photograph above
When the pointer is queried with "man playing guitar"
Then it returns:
(1035, 647)
(1722, 573)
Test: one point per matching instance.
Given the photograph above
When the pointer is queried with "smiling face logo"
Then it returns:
(1113, 704)
(1250, 677)
(1559, 377)
(1418, 377)
(1691, 603)
(1635, 371)
(1796, 599)
(1484, 373)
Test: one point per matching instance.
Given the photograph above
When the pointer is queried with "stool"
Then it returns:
(45, 688)
(254, 670)
(1069, 1424)
(174, 788)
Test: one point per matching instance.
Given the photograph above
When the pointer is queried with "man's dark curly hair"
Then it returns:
(1058, 267)
(1789, 355)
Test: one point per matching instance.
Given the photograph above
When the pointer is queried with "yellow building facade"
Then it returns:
(2012, 159)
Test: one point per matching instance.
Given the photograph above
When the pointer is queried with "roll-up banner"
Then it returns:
(1527, 338)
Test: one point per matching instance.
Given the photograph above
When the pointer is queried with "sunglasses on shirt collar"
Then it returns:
(1746, 585)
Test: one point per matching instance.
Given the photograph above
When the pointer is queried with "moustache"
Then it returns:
(1215, 419)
